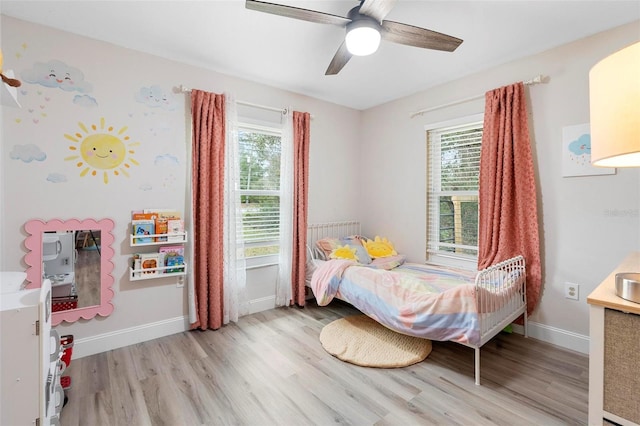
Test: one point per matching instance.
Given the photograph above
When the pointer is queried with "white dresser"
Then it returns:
(30, 391)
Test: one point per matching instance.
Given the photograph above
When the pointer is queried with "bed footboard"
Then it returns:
(501, 297)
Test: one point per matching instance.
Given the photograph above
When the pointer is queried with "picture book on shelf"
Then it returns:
(149, 262)
(173, 256)
(141, 228)
(161, 228)
(161, 262)
(175, 261)
(164, 213)
(152, 213)
(136, 265)
(172, 250)
(175, 230)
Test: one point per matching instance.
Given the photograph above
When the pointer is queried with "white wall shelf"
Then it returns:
(178, 238)
(150, 273)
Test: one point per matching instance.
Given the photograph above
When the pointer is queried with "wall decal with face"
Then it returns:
(102, 148)
(155, 97)
(56, 74)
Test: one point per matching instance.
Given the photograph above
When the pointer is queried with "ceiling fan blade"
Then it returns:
(377, 9)
(339, 60)
(297, 13)
(418, 37)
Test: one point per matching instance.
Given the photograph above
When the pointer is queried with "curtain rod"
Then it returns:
(535, 80)
(249, 104)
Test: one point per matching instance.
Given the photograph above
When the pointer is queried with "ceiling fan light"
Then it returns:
(363, 38)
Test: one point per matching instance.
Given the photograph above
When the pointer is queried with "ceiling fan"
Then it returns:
(365, 26)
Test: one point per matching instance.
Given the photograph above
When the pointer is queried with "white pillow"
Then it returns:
(311, 266)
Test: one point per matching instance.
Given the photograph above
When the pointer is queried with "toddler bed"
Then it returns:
(428, 301)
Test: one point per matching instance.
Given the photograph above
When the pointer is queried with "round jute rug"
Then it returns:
(362, 341)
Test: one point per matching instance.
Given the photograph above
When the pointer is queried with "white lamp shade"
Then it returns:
(614, 97)
(362, 40)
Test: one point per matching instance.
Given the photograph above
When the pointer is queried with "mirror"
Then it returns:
(76, 256)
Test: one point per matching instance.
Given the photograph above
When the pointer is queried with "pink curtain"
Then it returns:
(508, 204)
(301, 127)
(208, 115)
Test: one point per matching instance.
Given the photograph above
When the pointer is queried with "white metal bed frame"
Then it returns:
(494, 313)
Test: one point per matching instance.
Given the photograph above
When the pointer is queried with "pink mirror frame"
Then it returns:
(36, 228)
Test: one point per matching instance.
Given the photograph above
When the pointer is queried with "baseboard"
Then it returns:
(262, 304)
(128, 336)
(556, 336)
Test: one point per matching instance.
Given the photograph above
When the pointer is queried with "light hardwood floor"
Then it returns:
(270, 369)
(87, 272)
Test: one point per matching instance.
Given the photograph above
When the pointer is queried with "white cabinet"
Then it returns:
(30, 390)
(614, 352)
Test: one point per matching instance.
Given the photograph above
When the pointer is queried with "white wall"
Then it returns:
(116, 75)
(588, 224)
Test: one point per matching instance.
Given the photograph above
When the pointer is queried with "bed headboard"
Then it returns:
(318, 231)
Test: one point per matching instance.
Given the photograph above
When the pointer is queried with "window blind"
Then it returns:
(259, 153)
(452, 185)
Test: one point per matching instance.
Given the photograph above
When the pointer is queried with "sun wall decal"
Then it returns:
(102, 148)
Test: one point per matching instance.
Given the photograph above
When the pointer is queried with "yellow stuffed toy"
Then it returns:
(10, 81)
(344, 252)
(379, 247)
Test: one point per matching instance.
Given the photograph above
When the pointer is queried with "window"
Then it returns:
(453, 161)
(259, 156)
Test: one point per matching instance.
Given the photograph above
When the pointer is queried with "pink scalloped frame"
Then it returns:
(33, 259)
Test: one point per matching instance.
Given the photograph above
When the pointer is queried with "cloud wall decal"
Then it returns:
(155, 97)
(27, 153)
(56, 74)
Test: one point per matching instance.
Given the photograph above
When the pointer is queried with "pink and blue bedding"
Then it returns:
(428, 301)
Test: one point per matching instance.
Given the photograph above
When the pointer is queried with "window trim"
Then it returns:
(460, 121)
(270, 130)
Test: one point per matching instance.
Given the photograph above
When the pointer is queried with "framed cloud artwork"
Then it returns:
(576, 153)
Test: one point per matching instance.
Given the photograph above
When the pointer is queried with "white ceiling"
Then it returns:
(291, 54)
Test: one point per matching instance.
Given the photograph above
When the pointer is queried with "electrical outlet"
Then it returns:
(571, 290)
(180, 283)
(65, 261)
